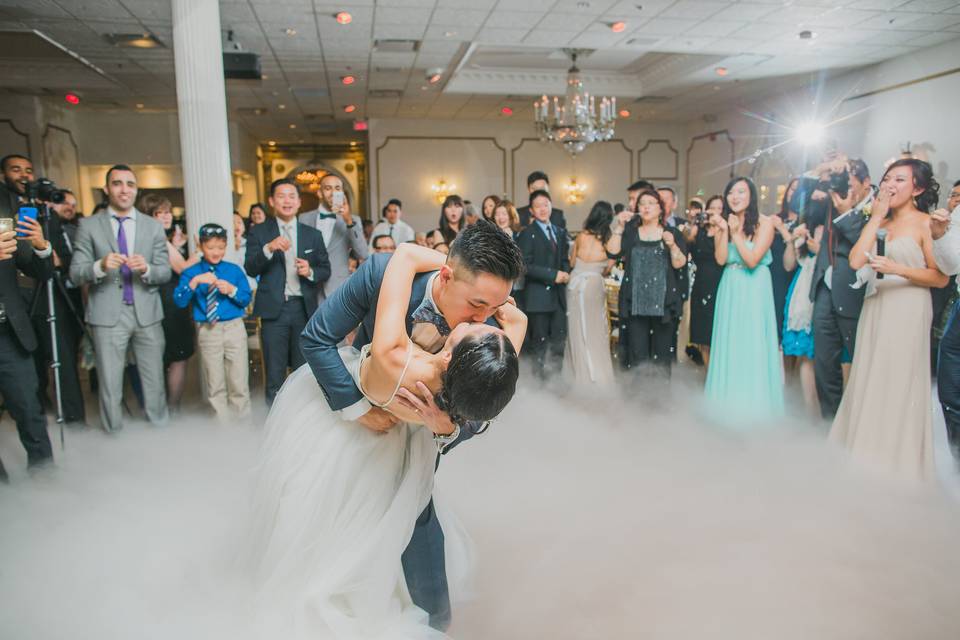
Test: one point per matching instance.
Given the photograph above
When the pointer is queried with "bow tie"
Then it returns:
(426, 313)
(328, 216)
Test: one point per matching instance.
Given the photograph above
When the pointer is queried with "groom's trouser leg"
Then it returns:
(425, 569)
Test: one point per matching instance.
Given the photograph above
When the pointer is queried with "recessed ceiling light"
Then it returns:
(353, 143)
(434, 78)
(136, 40)
(281, 106)
(348, 80)
(290, 31)
(721, 71)
(507, 111)
(350, 108)
(343, 18)
(806, 34)
(624, 113)
(272, 143)
(72, 98)
(293, 126)
(264, 76)
(139, 105)
(449, 34)
(618, 27)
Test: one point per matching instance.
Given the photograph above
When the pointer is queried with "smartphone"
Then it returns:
(338, 199)
(7, 224)
(26, 212)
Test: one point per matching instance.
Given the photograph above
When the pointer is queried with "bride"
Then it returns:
(335, 504)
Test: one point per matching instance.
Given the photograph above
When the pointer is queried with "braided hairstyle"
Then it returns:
(481, 378)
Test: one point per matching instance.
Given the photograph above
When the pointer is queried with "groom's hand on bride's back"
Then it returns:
(378, 420)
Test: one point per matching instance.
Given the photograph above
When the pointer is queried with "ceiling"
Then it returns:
(491, 54)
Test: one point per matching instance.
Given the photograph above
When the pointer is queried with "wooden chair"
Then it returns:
(258, 370)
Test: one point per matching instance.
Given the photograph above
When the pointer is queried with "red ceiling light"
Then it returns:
(348, 80)
(618, 27)
(72, 98)
(624, 113)
(360, 125)
(435, 78)
(721, 71)
(343, 17)
(350, 108)
(507, 111)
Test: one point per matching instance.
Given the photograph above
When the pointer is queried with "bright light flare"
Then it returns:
(810, 133)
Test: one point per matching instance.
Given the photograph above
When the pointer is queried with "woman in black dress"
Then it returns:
(177, 323)
(651, 297)
(778, 274)
(703, 299)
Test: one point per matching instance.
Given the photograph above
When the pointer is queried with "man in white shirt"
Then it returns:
(393, 226)
(946, 251)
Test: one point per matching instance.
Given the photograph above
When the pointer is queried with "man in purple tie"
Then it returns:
(122, 254)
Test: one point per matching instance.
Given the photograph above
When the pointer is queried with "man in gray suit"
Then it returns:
(341, 233)
(122, 254)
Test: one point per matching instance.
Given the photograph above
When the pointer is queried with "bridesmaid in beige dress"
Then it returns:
(588, 329)
(885, 417)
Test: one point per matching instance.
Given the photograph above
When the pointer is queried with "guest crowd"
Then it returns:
(849, 286)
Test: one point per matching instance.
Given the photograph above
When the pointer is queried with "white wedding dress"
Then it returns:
(334, 507)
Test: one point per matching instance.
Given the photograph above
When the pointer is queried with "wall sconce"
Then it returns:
(575, 191)
(441, 190)
(764, 192)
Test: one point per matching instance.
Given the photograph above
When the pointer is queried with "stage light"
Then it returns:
(809, 133)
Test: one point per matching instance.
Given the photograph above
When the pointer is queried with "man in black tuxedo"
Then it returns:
(546, 253)
(292, 263)
(18, 378)
(538, 181)
(837, 305)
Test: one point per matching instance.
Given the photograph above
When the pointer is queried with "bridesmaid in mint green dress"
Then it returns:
(745, 378)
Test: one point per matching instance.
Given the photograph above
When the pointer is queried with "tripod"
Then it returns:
(52, 282)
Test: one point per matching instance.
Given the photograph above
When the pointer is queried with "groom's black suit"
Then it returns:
(355, 303)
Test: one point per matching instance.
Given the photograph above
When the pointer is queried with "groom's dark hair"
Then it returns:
(484, 248)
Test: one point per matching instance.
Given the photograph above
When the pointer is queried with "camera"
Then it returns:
(43, 190)
(701, 218)
(840, 183)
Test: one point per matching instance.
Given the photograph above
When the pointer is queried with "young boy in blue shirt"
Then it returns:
(219, 293)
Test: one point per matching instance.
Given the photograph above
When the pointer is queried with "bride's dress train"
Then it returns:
(333, 509)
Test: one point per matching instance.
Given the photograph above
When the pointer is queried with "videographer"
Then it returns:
(841, 194)
(68, 305)
(18, 379)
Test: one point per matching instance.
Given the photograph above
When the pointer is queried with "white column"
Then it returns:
(202, 111)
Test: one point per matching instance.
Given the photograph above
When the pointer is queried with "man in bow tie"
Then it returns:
(476, 280)
(341, 230)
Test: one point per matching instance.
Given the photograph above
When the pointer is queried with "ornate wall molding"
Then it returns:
(387, 140)
(523, 141)
(23, 134)
(712, 136)
(676, 159)
(49, 158)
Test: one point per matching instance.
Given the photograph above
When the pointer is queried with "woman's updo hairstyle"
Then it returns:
(481, 378)
(922, 179)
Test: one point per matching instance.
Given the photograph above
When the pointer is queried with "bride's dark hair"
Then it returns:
(481, 378)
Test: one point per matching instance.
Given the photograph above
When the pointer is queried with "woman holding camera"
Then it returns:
(703, 299)
(885, 416)
(651, 297)
(745, 378)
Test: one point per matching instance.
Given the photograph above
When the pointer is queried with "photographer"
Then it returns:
(842, 195)
(29, 253)
(68, 305)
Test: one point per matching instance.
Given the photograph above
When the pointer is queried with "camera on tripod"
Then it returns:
(43, 190)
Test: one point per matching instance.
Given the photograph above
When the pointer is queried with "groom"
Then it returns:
(477, 279)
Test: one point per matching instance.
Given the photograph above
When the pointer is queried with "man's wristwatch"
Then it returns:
(443, 441)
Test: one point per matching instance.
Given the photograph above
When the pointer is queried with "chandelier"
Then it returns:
(577, 121)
